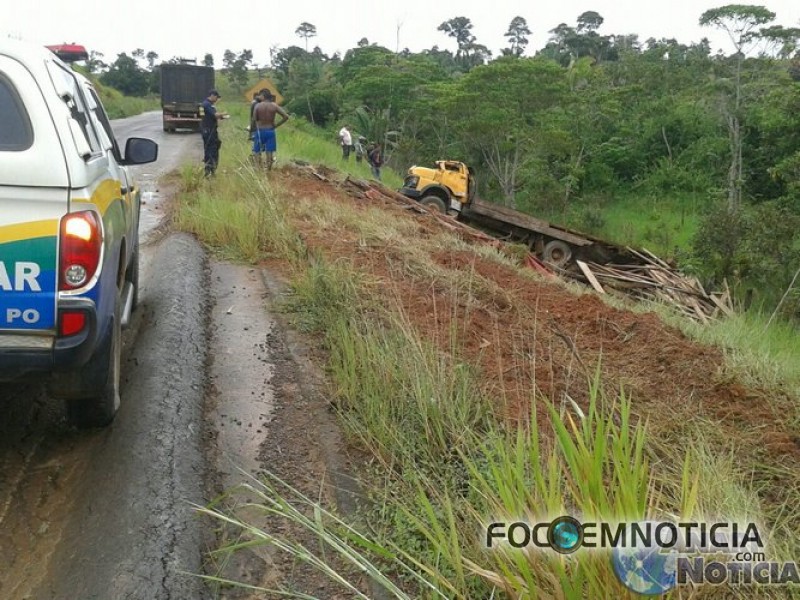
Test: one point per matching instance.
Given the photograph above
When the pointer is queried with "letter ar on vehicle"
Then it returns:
(21, 276)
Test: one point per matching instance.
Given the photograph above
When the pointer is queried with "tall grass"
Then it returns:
(448, 465)
(244, 216)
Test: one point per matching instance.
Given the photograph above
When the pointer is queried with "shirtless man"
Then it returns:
(265, 140)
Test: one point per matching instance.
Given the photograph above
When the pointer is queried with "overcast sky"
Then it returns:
(192, 28)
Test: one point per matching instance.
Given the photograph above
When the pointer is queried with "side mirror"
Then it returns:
(139, 151)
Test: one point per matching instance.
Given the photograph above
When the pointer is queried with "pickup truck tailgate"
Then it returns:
(29, 258)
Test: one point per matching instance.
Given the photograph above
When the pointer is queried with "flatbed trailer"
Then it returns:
(537, 234)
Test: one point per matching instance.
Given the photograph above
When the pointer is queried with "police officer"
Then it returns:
(208, 129)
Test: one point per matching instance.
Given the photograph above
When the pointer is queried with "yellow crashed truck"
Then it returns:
(450, 187)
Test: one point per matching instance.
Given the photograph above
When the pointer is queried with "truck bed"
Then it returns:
(504, 216)
(521, 226)
(185, 84)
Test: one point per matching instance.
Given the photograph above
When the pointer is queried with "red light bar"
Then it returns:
(69, 52)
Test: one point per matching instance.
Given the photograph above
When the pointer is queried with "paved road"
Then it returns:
(174, 150)
(106, 514)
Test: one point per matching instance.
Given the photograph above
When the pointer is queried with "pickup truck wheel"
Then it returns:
(101, 373)
(557, 253)
(434, 202)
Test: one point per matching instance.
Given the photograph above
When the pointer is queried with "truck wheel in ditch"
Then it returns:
(435, 203)
(557, 253)
(101, 375)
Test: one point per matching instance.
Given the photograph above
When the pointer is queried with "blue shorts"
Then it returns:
(265, 140)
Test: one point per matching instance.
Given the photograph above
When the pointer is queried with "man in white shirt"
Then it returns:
(346, 140)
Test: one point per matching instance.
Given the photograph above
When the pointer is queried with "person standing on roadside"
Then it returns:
(265, 139)
(208, 129)
(257, 97)
(359, 148)
(375, 159)
(346, 141)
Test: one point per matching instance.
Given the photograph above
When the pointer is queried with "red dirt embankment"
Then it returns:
(522, 330)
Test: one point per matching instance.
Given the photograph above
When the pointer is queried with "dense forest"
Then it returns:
(568, 130)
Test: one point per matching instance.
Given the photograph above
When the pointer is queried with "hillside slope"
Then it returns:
(522, 330)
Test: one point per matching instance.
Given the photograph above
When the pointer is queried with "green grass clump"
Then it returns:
(242, 216)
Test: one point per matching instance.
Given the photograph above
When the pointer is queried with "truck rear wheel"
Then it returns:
(101, 376)
(557, 253)
(435, 203)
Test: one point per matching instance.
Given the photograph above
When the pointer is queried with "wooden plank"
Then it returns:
(698, 310)
(606, 272)
(646, 260)
(590, 276)
(721, 305)
(657, 259)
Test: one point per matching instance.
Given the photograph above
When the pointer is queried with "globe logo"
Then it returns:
(649, 571)
(565, 535)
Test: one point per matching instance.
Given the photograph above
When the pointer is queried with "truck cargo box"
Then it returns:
(183, 89)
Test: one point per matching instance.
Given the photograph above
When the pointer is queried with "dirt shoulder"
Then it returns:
(268, 411)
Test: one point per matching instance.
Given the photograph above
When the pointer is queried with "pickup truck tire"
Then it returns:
(435, 203)
(102, 374)
(557, 253)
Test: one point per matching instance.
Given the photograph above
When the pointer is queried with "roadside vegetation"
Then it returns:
(658, 144)
(448, 450)
(120, 106)
(661, 143)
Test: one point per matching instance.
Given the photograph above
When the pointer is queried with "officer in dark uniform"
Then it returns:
(208, 129)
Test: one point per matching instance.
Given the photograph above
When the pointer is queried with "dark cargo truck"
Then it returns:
(183, 89)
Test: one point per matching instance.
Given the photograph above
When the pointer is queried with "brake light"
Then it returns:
(81, 242)
(71, 323)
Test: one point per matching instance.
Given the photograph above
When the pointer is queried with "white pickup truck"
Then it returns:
(69, 217)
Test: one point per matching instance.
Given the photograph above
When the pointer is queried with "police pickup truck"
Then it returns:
(69, 217)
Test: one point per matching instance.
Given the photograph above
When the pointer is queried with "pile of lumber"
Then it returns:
(654, 279)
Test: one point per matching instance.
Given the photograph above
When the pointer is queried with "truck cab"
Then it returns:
(69, 246)
(448, 187)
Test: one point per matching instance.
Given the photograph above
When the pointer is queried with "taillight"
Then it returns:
(71, 322)
(81, 242)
